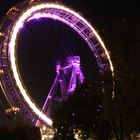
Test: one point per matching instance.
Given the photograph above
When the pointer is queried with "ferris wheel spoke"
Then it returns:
(73, 67)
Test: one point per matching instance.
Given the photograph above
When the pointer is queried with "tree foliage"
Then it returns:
(118, 117)
(123, 40)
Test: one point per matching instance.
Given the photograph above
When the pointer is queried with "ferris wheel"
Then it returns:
(11, 83)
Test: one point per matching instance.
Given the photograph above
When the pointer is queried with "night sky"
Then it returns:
(44, 43)
(37, 57)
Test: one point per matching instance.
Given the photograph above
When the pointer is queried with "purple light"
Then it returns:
(73, 60)
(55, 17)
(42, 15)
(58, 67)
(71, 25)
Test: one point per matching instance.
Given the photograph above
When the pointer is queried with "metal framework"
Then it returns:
(61, 74)
(16, 17)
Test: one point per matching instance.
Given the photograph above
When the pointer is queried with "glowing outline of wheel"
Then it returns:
(28, 14)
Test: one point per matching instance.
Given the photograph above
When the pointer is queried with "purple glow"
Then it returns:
(73, 60)
(73, 67)
(71, 25)
(58, 67)
(37, 16)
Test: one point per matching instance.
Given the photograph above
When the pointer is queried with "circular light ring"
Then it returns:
(67, 16)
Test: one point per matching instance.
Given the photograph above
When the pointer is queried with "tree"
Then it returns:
(81, 111)
(123, 40)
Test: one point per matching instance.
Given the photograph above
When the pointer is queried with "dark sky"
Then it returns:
(38, 56)
(98, 13)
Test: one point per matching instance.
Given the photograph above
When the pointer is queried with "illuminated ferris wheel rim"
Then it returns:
(25, 16)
